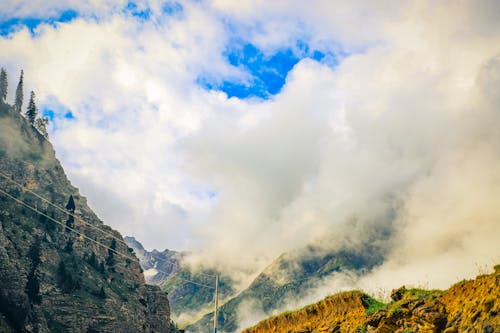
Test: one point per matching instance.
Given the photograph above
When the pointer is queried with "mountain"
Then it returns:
(468, 306)
(61, 268)
(190, 289)
(290, 277)
(157, 266)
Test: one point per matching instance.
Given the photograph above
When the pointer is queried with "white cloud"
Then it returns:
(402, 133)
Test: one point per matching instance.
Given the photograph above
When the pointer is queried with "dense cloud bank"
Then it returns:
(400, 132)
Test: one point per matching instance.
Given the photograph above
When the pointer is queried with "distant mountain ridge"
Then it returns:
(291, 276)
(186, 286)
(158, 266)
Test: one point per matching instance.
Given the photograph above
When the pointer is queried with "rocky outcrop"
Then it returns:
(60, 273)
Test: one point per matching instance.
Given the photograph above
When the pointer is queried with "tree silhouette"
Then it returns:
(32, 111)
(18, 103)
(71, 204)
(110, 260)
(3, 85)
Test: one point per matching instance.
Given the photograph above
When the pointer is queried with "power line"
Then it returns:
(87, 237)
(77, 218)
(193, 282)
(64, 225)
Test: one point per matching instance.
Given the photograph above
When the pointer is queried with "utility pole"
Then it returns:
(216, 300)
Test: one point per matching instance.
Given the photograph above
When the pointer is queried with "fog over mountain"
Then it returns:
(391, 136)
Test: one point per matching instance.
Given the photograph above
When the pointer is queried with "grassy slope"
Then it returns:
(467, 306)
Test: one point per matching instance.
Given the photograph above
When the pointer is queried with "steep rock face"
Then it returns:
(53, 278)
(468, 306)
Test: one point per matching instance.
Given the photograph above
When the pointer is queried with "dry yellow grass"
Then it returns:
(468, 306)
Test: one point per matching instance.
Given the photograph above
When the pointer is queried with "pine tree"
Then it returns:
(18, 103)
(93, 261)
(31, 111)
(70, 206)
(3, 85)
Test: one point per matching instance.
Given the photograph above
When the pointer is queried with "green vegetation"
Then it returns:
(32, 110)
(187, 297)
(372, 305)
(69, 280)
(290, 276)
(417, 293)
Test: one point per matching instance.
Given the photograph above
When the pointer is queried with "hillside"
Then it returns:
(61, 268)
(289, 277)
(468, 306)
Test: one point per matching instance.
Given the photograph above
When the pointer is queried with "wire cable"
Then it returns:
(87, 237)
(77, 218)
(64, 225)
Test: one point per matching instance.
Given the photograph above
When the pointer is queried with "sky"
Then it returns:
(239, 130)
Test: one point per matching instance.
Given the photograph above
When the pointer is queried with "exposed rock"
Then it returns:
(54, 279)
(397, 294)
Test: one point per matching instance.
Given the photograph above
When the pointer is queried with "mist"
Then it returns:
(394, 133)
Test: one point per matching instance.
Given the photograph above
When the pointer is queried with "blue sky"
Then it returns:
(10, 25)
(266, 71)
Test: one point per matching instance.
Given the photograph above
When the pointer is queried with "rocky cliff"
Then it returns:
(468, 306)
(61, 268)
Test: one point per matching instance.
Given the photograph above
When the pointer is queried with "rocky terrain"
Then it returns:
(158, 266)
(468, 306)
(61, 268)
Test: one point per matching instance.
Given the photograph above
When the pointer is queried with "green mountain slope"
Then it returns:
(291, 276)
(188, 300)
(58, 279)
